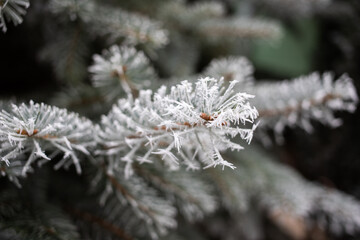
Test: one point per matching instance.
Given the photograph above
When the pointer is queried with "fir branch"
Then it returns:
(193, 122)
(36, 128)
(120, 70)
(194, 196)
(296, 102)
(180, 14)
(88, 217)
(231, 68)
(234, 28)
(156, 212)
(24, 219)
(279, 188)
(12, 10)
(114, 23)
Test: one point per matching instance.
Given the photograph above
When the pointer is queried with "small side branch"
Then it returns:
(100, 222)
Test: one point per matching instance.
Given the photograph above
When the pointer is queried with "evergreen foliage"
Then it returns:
(140, 143)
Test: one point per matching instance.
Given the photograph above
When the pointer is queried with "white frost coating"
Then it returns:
(186, 15)
(121, 69)
(231, 68)
(114, 23)
(240, 27)
(37, 128)
(191, 124)
(12, 10)
(298, 101)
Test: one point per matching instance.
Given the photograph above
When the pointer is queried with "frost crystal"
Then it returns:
(231, 68)
(121, 69)
(36, 128)
(190, 123)
(298, 101)
(12, 10)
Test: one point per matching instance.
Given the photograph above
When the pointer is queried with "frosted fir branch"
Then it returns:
(288, 191)
(193, 196)
(38, 128)
(13, 171)
(115, 24)
(98, 226)
(231, 68)
(26, 218)
(296, 102)
(337, 211)
(73, 9)
(12, 10)
(186, 15)
(121, 69)
(280, 189)
(190, 125)
(235, 28)
(145, 201)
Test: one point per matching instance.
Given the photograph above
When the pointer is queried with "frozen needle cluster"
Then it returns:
(191, 124)
(12, 10)
(37, 128)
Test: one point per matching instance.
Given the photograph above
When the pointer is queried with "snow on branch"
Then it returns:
(121, 69)
(12, 10)
(37, 128)
(296, 102)
(191, 124)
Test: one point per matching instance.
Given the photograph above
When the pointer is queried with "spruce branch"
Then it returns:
(180, 14)
(298, 101)
(121, 69)
(12, 10)
(242, 27)
(108, 226)
(231, 68)
(145, 202)
(23, 219)
(194, 197)
(133, 28)
(189, 125)
(37, 128)
(282, 189)
(115, 24)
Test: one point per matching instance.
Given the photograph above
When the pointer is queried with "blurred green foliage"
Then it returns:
(292, 54)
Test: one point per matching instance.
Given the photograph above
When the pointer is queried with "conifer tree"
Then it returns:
(142, 143)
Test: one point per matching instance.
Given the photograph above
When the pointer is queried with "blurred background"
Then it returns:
(325, 39)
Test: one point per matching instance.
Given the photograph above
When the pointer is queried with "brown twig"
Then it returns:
(34, 135)
(124, 78)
